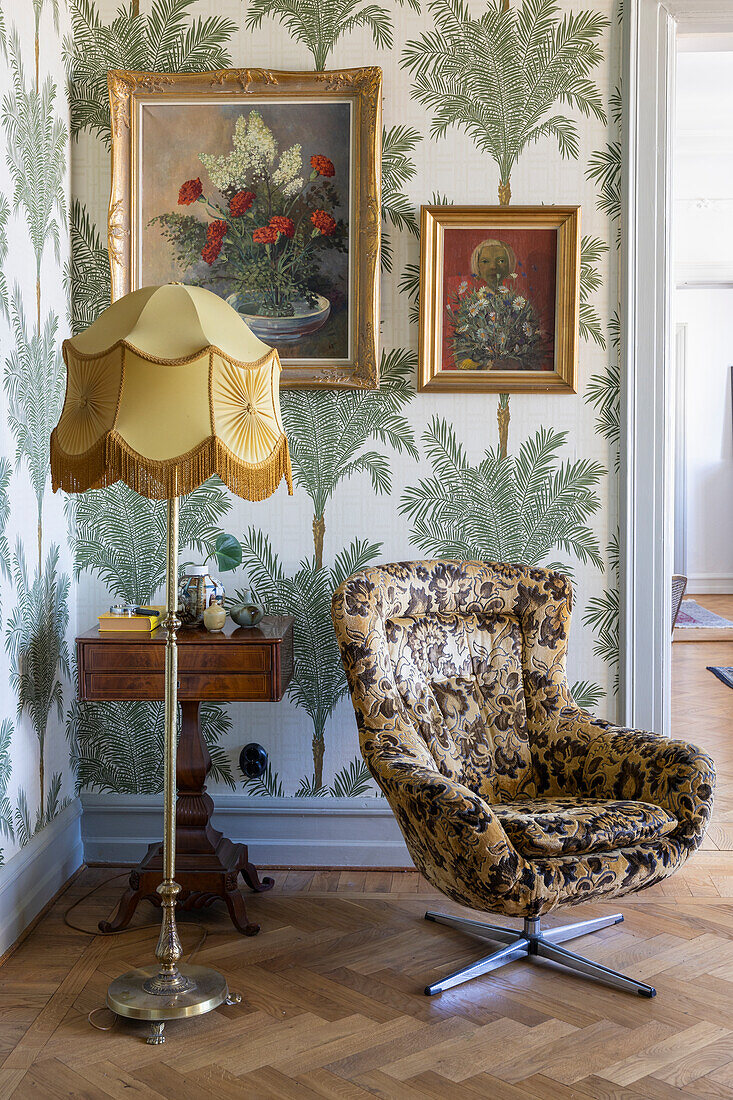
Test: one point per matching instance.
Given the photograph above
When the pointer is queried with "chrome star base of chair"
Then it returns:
(537, 942)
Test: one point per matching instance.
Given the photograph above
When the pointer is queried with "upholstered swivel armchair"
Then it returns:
(511, 799)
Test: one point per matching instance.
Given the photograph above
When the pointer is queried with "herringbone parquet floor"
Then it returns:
(332, 1002)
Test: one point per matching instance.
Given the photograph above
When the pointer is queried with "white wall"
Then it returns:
(703, 168)
(708, 315)
(703, 244)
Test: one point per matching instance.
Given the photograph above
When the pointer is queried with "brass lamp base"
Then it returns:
(127, 996)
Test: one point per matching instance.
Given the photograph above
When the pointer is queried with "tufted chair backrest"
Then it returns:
(457, 664)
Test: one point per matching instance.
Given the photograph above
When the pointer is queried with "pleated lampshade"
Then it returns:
(166, 388)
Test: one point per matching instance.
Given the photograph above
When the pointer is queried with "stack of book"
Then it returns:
(138, 620)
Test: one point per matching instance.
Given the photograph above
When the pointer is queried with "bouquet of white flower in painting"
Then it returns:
(494, 329)
(264, 227)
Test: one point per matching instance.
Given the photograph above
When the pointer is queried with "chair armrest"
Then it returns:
(632, 764)
(453, 836)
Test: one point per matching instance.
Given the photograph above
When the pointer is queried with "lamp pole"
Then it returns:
(168, 952)
(167, 991)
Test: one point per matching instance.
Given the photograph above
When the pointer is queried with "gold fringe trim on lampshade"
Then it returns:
(77, 473)
(112, 459)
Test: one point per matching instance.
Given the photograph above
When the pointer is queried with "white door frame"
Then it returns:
(679, 562)
(647, 387)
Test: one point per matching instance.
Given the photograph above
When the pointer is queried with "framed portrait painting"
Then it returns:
(499, 297)
(264, 187)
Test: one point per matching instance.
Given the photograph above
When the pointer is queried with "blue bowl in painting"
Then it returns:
(304, 320)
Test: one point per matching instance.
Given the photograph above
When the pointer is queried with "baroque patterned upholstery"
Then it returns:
(511, 798)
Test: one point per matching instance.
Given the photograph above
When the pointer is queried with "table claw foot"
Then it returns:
(126, 907)
(237, 908)
(155, 1035)
(249, 873)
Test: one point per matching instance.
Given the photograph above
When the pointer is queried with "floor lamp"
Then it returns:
(168, 387)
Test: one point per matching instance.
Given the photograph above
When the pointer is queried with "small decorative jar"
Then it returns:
(196, 590)
(214, 617)
(248, 612)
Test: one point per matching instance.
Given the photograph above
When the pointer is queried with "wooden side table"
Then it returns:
(237, 665)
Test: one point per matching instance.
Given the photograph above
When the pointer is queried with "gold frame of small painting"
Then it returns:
(499, 298)
(167, 127)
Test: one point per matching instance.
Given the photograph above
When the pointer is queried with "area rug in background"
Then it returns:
(724, 674)
(698, 624)
(691, 614)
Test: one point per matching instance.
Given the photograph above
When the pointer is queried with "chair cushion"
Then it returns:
(460, 679)
(575, 826)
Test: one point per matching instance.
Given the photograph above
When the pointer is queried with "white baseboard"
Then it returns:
(38, 871)
(713, 583)
(291, 832)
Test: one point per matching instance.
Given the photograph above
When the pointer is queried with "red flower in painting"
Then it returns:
(265, 235)
(215, 232)
(211, 249)
(284, 225)
(284, 211)
(324, 222)
(190, 191)
(240, 203)
(322, 165)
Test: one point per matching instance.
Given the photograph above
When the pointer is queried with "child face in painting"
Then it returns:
(492, 263)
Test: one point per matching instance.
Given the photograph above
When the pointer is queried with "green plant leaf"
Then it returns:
(165, 40)
(327, 430)
(353, 780)
(498, 75)
(398, 168)
(118, 746)
(6, 770)
(267, 785)
(37, 158)
(604, 394)
(35, 640)
(318, 678)
(319, 24)
(517, 509)
(603, 613)
(604, 168)
(308, 788)
(120, 535)
(34, 382)
(592, 249)
(88, 279)
(586, 694)
(228, 552)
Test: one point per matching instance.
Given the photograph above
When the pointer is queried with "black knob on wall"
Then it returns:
(253, 760)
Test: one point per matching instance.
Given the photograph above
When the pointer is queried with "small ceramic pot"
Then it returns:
(196, 590)
(249, 612)
(214, 617)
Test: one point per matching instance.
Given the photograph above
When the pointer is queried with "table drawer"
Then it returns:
(191, 658)
(230, 686)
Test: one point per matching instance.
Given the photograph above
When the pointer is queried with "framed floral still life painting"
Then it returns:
(263, 187)
(499, 297)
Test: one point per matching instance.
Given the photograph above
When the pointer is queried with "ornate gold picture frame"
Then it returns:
(499, 298)
(263, 186)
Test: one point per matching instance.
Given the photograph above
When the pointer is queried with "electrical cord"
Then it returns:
(121, 932)
(100, 1027)
(97, 931)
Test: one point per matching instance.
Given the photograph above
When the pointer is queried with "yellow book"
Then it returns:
(135, 624)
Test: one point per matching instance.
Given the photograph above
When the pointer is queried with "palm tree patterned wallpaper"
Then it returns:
(36, 621)
(508, 100)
